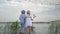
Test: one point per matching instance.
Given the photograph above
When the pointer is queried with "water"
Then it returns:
(41, 28)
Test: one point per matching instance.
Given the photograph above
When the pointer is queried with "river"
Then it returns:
(41, 28)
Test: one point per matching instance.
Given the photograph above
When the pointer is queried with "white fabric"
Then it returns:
(28, 21)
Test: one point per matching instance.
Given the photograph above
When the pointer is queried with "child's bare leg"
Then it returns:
(28, 29)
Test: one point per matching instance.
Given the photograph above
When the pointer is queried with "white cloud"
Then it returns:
(29, 5)
(46, 1)
(0, 6)
(36, 6)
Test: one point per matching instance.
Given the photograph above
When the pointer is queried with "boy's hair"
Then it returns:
(23, 11)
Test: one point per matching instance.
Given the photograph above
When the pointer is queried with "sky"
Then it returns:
(45, 10)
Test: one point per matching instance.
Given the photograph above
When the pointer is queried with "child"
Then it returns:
(28, 23)
(22, 20)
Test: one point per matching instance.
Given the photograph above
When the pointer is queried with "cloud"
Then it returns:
(49, 2)
(29, 6)
(2, 1)
(12, 7)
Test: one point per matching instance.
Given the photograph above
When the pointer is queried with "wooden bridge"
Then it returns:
(31, 32)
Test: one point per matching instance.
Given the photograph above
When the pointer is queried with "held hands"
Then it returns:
(34, 16)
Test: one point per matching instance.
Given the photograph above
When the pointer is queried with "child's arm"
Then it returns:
(34, 16)
(31, 18)
(24, 19)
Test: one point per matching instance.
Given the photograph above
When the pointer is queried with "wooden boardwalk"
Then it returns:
(40, 28)
(31, 32)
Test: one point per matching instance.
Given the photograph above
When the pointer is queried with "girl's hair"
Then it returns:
(28, 12)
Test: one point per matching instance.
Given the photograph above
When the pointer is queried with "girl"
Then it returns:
(28, 23)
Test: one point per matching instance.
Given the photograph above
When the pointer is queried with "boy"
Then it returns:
(22, 21)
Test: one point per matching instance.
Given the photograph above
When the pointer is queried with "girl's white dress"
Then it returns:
(28, 21)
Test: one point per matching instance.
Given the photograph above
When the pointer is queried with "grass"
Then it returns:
(54, 28)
